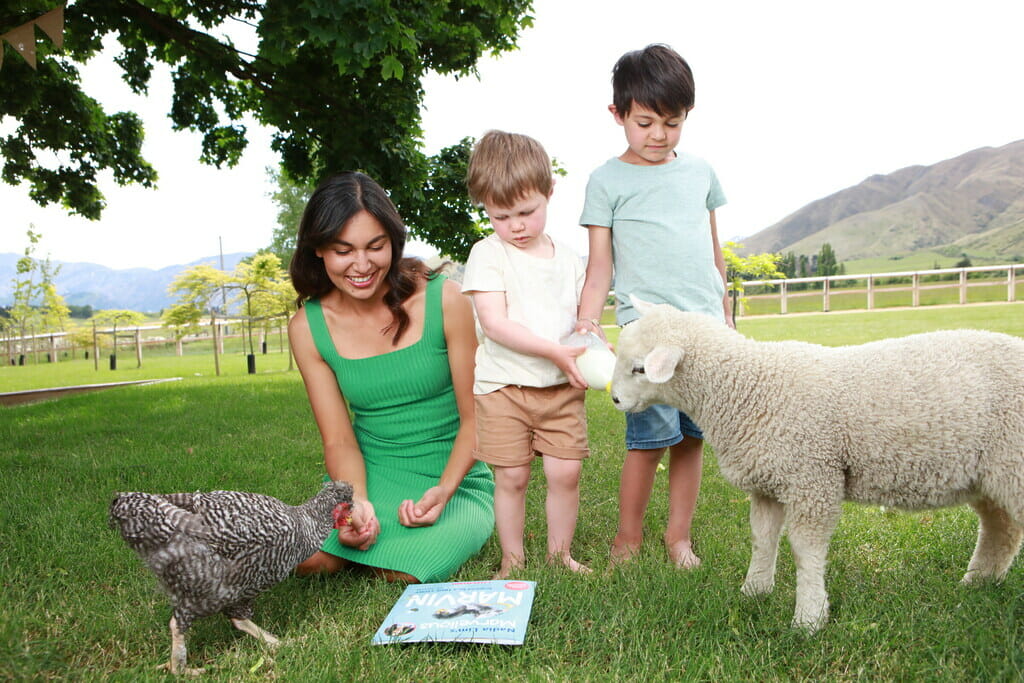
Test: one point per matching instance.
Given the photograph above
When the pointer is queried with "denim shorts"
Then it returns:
(657, 427)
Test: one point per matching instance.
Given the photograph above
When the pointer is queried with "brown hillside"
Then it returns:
(974, 202)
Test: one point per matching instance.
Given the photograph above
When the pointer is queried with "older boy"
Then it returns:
(650, 213)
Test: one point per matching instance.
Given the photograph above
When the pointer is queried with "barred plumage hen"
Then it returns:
(216, 552)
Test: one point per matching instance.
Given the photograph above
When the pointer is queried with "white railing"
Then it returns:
(915, 287)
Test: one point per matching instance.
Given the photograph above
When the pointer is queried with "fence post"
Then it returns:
(963, 286)
(1011, 285)
(138, 347)
(782, 290)
(217, 350)
(916, 286)
(824, 289)
(871, 292)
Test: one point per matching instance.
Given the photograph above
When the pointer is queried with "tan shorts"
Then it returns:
(516, 424)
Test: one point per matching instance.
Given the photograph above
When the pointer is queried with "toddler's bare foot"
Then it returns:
(682, 555)
(508, 565)
(569, 563)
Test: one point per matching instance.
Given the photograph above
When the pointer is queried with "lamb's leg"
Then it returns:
(256, 632)
(999, 539)
(809, 532)
(766, 516)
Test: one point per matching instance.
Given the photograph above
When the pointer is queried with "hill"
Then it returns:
(972, 204)
(89, 284)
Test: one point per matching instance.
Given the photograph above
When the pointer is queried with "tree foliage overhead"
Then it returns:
(338, 80)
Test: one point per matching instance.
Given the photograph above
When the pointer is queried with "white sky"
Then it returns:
(796, 99)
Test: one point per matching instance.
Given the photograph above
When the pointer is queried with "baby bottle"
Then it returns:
(596, 363)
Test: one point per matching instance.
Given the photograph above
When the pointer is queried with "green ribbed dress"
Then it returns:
(405, 419)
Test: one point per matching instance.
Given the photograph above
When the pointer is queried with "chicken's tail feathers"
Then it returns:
(146, 519)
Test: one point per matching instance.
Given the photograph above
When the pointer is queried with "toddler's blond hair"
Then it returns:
(505, 167)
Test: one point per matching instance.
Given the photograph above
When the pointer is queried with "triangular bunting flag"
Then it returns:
(23, 39)
(52, 24)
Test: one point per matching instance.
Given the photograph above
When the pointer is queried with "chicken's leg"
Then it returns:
(256, 632)
(179, 653)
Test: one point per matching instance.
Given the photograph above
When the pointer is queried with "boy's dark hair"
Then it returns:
(655, 77)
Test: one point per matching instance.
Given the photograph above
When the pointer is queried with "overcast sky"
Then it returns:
(795, 100)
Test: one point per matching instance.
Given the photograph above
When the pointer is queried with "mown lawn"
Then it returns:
(77, 604)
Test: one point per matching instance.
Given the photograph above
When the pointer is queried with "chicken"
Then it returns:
(215, 552)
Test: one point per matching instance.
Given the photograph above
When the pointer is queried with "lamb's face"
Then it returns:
(643, 366)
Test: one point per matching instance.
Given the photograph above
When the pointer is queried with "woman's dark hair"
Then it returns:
(656, 78)
(330, 207)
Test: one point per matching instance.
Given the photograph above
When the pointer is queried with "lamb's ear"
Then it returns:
(660, 363)
(640, 305)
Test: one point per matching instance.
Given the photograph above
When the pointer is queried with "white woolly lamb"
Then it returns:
(925, 421)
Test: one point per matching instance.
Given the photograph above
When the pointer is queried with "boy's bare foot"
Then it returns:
(570, 564)
(622, 553)
(682, 555)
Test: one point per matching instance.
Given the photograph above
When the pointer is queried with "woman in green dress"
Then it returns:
(384, 337)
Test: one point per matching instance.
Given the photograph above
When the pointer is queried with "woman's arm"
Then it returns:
(460, 336)
(342, 457)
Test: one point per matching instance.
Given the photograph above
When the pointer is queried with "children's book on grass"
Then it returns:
(494, 612)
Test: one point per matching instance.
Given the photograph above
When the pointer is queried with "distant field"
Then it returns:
(924, 260)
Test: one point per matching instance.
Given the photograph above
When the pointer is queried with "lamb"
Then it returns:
(216, 552)
(925, 421)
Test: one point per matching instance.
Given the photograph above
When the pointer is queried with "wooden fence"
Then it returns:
(52, 346)
(914, 282)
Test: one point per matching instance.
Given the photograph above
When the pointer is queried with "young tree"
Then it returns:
(253, 282)
(753, 267)
(340, 82)
(117, 317)
(37, 307)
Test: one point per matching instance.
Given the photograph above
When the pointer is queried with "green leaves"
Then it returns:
(391, 68)
(339, 81)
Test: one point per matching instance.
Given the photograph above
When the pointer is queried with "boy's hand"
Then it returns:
(584, 326)
(565, 358)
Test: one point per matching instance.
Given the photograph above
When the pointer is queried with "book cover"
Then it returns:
(496, 612)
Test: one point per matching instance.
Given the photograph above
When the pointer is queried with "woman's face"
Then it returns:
(359, 258)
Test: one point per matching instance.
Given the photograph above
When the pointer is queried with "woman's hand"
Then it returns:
(362, 531)
(426, 511)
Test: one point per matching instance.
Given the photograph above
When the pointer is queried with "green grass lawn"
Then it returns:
(77, 604)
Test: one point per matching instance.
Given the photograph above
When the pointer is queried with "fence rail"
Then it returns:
(825, 287)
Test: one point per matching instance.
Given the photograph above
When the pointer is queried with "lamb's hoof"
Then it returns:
(753, 589)
(809, 627)
(809, 624)
(977, 577)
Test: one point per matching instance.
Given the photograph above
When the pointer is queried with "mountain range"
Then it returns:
(972, 204)
(88, 284)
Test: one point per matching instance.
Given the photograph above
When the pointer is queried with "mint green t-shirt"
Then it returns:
(661, 232)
